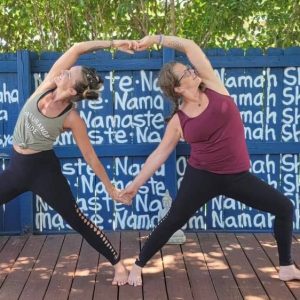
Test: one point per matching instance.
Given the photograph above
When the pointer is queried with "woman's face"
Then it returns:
(187, 76)
(68, 78)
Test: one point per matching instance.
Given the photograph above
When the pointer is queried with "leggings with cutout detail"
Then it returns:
(41, 174)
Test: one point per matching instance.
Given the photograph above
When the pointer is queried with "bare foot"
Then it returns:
(135, 276)
(287, 273)
(121, 274)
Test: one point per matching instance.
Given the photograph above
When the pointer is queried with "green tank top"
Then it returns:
(34, 130)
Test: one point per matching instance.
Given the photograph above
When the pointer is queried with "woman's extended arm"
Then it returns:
(79, 131)
(156, 158)
(69, 58)
(194, 53)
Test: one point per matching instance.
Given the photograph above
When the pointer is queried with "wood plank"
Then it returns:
(40, 276)
(105, 274)
(130, 248)
(268, 243)
(85, 274)
(295, 285)
(63, 274)
(264, 268)
(178, 286)
(16, 279)
(154, 286)
(223, 280)
(9, 254)
(194, 271)
(3, 241)
(199, 277)
(296, 249)
(245, 276)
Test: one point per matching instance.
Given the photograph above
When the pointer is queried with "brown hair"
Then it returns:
(167, 81)
(88, 87)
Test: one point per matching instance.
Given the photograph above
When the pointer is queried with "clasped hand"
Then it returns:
(131, 46)
(123, 196)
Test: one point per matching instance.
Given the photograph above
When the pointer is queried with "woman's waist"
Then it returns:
(219, 153)
(20, 155)
(24, 151)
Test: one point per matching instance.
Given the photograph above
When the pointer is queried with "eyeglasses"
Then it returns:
(188, 72)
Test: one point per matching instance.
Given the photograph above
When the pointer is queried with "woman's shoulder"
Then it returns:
(216, 87)
(72, 119)
(43, 88)
(175, 122)
(74, 114)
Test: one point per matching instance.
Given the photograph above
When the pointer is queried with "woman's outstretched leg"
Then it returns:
(196, 189)
(14, 180)
(55, 190)
(255, 193)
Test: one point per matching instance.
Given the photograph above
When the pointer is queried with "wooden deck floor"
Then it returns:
(207, 266)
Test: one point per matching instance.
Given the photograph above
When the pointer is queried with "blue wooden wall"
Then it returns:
(127, 122)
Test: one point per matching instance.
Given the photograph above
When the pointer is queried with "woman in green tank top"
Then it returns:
(34, 165)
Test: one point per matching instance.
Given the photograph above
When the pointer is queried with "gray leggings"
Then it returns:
(41, 174)
(199, 186)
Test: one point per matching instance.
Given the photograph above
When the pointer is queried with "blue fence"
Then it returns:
(127, 122)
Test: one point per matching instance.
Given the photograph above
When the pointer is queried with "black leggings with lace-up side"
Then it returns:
(41, 174)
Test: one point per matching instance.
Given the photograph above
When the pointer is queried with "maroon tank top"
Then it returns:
(216, 136)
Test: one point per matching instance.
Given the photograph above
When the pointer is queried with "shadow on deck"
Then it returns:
(208, 266)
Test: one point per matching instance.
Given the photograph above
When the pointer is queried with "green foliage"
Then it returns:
(43, 25)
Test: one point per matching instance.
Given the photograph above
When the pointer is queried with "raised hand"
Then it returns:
(128, 46)
(146, 42)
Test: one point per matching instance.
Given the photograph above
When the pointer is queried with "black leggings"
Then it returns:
(41, 174)
(198, 187)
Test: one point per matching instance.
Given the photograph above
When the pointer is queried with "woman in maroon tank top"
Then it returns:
(207, 118)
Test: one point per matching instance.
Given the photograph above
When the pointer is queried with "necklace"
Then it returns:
(199, 104)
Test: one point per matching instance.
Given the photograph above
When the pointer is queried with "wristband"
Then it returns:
(160, 39)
